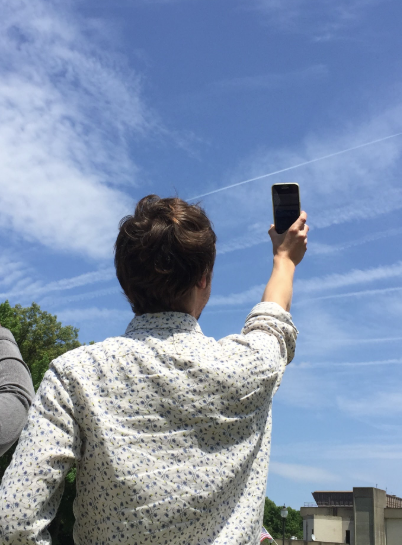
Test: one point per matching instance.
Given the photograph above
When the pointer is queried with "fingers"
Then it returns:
(272, 232)
(300, 222)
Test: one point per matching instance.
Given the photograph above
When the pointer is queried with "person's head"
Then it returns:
(163, 254)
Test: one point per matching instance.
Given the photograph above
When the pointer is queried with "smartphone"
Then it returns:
(286, 205)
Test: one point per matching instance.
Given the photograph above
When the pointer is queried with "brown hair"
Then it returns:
(163, 251)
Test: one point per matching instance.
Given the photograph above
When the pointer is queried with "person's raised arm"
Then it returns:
(289, 249)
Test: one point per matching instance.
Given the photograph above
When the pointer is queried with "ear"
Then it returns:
(202, 284)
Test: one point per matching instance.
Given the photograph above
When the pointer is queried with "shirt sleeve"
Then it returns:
(33, 484)
(272, 320)
(16, 390)
(261, 352)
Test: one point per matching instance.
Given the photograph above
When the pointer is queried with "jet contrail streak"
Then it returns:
(296, 166)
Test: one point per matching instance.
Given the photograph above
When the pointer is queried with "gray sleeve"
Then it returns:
(16, 390)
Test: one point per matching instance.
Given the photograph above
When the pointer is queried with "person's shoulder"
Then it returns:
(86, 354)
(6, 335)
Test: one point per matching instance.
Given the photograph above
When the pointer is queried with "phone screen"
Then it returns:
(286, 201)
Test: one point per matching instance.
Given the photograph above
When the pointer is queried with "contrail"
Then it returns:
(296, 166)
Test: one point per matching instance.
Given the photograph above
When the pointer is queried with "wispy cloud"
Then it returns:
(80, 315)
(375, 405)
(13, 272)
(335, 190)
(353, 294)
(67, 112)
(302, 473)
(316, 284)
(319, 249)
(350, 451)
(102, 275)
(24, 286)
(270, 81)
(257, 234)
(356, 364)
(322, 20)
(63, 300)
(252, 294)
(351, 278)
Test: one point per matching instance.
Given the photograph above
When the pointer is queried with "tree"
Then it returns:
(41, 338)
(273, 521)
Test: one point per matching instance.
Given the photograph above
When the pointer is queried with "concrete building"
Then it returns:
(364, 516)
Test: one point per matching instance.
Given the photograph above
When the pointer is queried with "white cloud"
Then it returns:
(51, 300)
(252, 294)
(324, 20)
(316, 248)
(271, 80)
(257, 234)
(302, 473)
(376, 405)
(376, 451)
(355, 364)
(351, 278)
(93, 314)
(36, 288)
(328, 282)
(357, 294)
(304, 388)
(13, 273)
(82, 280)
(339, 189)
(350, 451)
(391, 305)
(67, 112)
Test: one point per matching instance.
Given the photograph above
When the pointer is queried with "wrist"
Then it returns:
(283, 261)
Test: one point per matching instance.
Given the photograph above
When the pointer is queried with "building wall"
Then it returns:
(370, 522)
(369, 504)
(328, 529)
(348, 524)
(393, 529)
(393, 526)
(308, 525)
(392, 513)
(300, 542)
(344, 513)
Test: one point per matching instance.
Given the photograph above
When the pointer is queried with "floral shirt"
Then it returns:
(170, 432)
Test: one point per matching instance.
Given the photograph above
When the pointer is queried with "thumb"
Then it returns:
(301, 220)
(272, 231)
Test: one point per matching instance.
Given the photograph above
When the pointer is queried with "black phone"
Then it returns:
(286, 205)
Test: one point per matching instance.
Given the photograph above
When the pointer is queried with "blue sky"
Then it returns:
(103, 102)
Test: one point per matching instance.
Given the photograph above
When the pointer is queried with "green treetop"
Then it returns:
(40, 337)
(273, 521)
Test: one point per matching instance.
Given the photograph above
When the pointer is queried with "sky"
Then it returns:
(103, 102)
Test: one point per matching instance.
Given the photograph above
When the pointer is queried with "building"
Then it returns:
(364, 516)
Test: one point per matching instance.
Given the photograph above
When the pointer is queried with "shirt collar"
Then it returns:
(164, 320)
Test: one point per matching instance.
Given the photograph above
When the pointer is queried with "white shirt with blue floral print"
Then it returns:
(170, 432)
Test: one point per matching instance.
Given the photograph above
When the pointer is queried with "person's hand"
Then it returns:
(293, 243)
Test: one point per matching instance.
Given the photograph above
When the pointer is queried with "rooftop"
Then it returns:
(344, 498)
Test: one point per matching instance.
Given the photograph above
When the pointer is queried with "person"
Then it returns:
(16, 390)
(170, 430)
